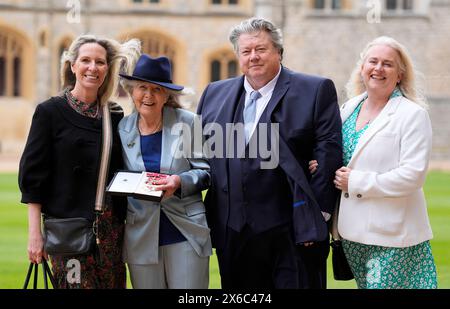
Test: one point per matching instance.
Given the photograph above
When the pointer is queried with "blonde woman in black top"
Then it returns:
(60, 164)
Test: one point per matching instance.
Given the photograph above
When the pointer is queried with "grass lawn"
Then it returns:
(13, 234)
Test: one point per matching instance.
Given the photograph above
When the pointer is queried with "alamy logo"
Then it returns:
(374, 14)
(215, 141)
(73, 267)
(74, 14)
(374, 273)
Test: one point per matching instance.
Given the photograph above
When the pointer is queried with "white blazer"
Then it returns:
(385, 204)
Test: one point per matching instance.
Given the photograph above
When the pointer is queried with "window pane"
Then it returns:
(2, 76)
(154, 1)
(233, 1)
(232, 68)
(407, 4)
(319, 4)
(391, 4)
(16, 79)
(215, 70)
(43, 39)
(336, 4)
(216, 1)
(61, 50)
(172, 66)
(137, 1)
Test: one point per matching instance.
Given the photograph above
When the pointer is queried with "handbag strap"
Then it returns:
(105, 158)
(46, 272)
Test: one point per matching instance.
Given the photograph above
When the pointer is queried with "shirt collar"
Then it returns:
(267, 89)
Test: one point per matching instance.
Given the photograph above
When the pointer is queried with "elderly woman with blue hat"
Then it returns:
(167, 244)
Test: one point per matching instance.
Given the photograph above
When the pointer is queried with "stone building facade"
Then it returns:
(322, 37)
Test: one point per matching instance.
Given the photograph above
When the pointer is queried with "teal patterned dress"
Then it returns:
(377, 267)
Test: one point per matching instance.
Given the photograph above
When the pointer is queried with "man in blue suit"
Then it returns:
(268, 225)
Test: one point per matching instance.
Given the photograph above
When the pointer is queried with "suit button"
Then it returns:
(359, 196)
(346, 195)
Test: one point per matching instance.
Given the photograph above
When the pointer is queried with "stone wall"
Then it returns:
(321, 44)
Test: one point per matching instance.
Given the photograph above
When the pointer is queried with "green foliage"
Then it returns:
(13, 234)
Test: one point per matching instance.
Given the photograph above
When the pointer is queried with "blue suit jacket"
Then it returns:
(310, 128)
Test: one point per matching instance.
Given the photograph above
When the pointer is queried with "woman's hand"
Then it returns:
(313, 166)
(35, 240)
(36, 247)
(341, 178)
(169, 185)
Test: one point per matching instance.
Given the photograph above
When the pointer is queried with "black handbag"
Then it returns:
(341, 269)
(68, 236)
(47, 274)
(74, 236)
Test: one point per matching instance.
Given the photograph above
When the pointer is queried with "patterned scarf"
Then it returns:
(88, 110)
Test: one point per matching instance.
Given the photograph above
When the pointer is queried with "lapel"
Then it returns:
(227, 110)
(348, 107)
(280, 89)
(379, 123)
(169, 120)
(132, 143)
(230, 101)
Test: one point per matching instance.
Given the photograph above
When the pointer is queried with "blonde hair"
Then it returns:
(408, 83)
(120, 57)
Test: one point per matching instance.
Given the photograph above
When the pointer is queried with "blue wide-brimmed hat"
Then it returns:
(153, 70)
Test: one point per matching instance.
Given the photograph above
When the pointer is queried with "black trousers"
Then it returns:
(263, 260)
(312, 264)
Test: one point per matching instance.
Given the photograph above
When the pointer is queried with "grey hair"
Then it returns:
(173, 99)
(257, 24)
(118, 57)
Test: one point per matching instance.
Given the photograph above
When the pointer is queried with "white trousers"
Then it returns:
(179, 267)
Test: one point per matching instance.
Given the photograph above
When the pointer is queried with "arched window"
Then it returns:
(63, 45)
(156, 45)
(223, 65)
(11, 65)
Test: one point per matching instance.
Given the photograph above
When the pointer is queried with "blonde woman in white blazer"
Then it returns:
(383, 218)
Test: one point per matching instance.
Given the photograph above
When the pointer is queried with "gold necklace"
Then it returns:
(145, 131)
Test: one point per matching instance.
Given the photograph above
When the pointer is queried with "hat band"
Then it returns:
(153, 79)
